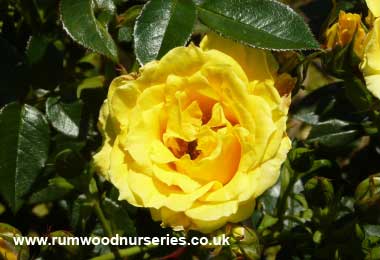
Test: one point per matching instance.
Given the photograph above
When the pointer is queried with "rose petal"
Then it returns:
(257, 64)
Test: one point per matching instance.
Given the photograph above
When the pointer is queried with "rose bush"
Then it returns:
(195, 136)
(198, 135)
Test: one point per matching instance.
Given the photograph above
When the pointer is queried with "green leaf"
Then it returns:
(333, 133)
(120, 220)
(329, 102)
(372, 230)
(36, 48)
(163, 25)
(65, 118)
(358, 94)
(264, 24)
(129, 16)
(24, 142)
(127, 22)
(105, 11)
(80, 23)
(125, 34)
(267, 222)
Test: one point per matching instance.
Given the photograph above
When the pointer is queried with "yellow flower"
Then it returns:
(370, 65)
(374, 7)
(342, 32)
(198, 135)
(7, 250)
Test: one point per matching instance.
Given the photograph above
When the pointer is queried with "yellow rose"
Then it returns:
(342, 32)
(370, 65)
(198, 135)
(374, 7)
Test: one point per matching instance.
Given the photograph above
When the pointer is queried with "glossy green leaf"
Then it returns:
(80, 23)
(264, 24)
(333, 133)
(328, 127)
(24, 142)
(163, 25)
(65, 118)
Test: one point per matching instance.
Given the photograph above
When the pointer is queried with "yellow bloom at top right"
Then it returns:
(348, 28)
(370, 65)
(374, 7)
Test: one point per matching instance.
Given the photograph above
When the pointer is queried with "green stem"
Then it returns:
(106, 227)
(102, 218)
(125, 252)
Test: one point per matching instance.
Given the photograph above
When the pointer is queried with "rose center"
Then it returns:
(180, 147)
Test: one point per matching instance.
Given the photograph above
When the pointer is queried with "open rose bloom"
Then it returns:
(198, 135)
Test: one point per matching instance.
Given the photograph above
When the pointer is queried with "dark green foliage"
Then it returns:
(258, 23)
(163, 25)
(82, 25)
(24, 138)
